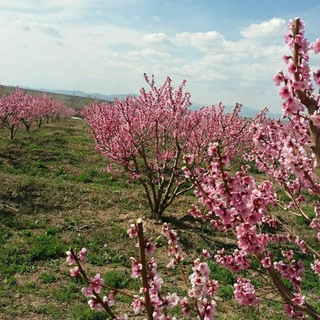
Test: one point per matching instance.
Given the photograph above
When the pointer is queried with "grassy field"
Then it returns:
(54, 194)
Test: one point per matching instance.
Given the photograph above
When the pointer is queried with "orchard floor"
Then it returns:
(54, 195)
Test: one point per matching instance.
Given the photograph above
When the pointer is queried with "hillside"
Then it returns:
(74, 101)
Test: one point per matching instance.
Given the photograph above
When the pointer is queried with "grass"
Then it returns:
(54, 194)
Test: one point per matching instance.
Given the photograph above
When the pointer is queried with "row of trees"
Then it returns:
(157, 141)
(22, 109)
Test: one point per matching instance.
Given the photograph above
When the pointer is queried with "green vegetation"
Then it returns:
(54, 194)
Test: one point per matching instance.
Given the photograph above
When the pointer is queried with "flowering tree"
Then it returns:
(12, 107)
(252, 213)
(198, 302)
(146, 136)
(237, 205)
(298, 90)
(19, 108)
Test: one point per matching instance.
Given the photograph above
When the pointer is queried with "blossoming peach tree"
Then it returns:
(145, 138)
(234, 203)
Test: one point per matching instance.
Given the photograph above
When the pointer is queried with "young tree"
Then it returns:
(12, 111)
(146, 137)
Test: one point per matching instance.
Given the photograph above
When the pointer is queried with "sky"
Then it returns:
(228, 50)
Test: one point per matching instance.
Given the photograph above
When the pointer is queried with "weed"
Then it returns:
(84, 313)
(67, 293)
(48, 277)
(116, 279)
(221, 274)
(225, 292)
(5, 234)
(46, 247)
(108, 256)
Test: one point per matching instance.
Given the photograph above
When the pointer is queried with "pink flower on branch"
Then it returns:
(136, 268)
(315, 46)
(316, 267)
(245, 293)
(95, 285)
(315, 118)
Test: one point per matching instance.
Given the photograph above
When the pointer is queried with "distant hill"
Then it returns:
(98, 96)
(245, 111)
(78, 99)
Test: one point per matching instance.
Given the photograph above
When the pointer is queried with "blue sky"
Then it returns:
(227, 50)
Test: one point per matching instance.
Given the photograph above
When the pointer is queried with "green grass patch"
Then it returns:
(48, 277)
(46, 247)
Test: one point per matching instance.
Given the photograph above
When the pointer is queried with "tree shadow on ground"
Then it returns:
(210, 237)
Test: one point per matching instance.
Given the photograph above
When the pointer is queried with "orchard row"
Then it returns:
(21, 109)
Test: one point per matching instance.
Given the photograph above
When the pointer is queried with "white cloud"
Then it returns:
(46, 43)
(265, 30)
(46, 28)
(157, 39)
(201, 40)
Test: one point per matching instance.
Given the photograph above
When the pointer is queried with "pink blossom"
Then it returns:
(87, 291)
(286, 59)
(315, 118)
(95, 305)
(172, 300)
(302, 244)
(96, 283)
(289, 310)
(150, 247)
(206, 254)
(291, 106)
(288, 254)
(316, 267)
(292, 271)
(298, 299)
(70, 258)
(74, 272)
(213, 147)
(292, 68)
(137, 305)
(132, 232)
(189, 159)
(249, 240)
(245, 293)
(136, 268)
(284, 92)
(235, 262)
(316, 46)
(82, 254)
(110, 299)
(185, 306)
(266, 262)
(316, 77)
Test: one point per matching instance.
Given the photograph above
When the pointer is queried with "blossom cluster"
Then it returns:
(299, 75)
(280, 151)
